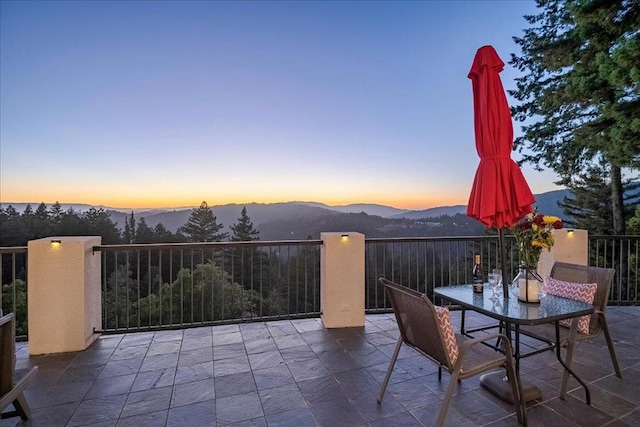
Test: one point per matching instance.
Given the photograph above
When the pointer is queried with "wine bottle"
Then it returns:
(478, 281)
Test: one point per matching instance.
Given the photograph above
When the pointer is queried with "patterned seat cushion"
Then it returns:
(446, 327)
(584, 292)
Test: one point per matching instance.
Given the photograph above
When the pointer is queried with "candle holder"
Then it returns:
(528, 284)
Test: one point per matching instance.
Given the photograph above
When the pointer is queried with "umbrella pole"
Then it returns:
(503, 260)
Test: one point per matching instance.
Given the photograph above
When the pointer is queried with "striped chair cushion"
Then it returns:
(446, 327)
(584, 292)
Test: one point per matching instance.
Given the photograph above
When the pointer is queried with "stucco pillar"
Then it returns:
(64, 299)
(342, 279)
(571, 245)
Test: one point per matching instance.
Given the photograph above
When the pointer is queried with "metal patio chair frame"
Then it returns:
(419, 329)
(12, 388)
(575, 273)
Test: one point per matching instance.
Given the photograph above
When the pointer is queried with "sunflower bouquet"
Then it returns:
(533, 234)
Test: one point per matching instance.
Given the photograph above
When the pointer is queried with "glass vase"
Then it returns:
(527, 285)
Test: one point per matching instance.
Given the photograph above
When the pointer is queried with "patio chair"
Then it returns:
(12, 388)
(573, 273)
(427, 328)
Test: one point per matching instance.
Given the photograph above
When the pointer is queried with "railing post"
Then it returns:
(571, 245)
(342, 279)
(64, 294)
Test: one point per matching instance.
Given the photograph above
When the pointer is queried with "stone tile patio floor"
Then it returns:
(296, 373)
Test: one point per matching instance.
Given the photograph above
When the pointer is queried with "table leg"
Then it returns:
(572, 334)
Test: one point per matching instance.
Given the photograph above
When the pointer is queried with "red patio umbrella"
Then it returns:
(500, 195)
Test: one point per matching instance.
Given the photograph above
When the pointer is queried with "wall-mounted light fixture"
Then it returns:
(344, 237)
(55, 243)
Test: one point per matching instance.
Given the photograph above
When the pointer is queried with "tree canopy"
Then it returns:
(243, 230)
(17, 229)
(203, 226)
(580, 92)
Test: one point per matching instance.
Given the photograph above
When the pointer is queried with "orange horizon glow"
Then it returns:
(182, 203)
(412, 194)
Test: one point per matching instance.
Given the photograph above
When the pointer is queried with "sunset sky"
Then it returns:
(168, 103)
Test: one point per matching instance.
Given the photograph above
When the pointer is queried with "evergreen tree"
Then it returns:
(42, 212)
(162, 235)
(590, 206)
(129, 234)
(243, 230)
(71, 224)
(42, 226)
(202, 226)
(580, 96)
(245, 263)
(12, 229)
(144, 233)
(56, 213)
(11, 212)
(28, 219)
(99, 223)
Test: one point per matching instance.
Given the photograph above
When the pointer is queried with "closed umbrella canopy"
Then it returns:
(500, 195)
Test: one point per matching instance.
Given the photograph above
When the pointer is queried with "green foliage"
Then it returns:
(13, 230)
(162, 235)
(633, 226)
(14, 300)
(129, 233)
(202, 226)
(579, 95)
(203, 295)
(590, 207)
(56, 214)
(99, 223)
(144, 233)
(243, 230)
(245, 264)
(17, 229)
(301, 296)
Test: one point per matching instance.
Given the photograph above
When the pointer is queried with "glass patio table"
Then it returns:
(513, 313)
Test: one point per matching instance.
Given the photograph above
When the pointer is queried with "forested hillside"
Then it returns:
(275, 221)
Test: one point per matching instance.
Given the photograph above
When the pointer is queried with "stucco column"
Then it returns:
(64, 299)
(571, 245)
(342, 279)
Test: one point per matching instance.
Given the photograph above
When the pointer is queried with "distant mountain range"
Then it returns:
(299, 220)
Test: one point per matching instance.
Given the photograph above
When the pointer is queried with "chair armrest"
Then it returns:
(469, 343)
(602, 319)
(17, 389)
(465, 345)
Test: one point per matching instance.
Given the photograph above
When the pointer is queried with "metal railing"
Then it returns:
(426, 262)
(13, 275)
(155, 286)
(621, 253)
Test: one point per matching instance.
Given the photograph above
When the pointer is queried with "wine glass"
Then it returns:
(495, 282)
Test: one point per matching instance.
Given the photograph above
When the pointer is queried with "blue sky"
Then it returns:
(169, 103)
